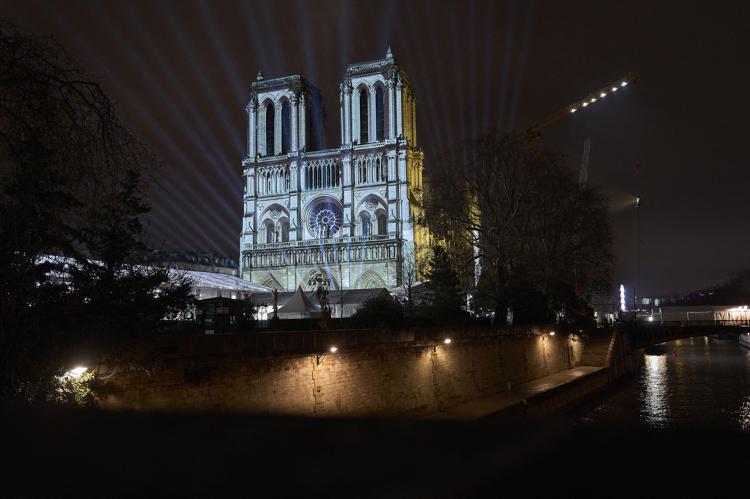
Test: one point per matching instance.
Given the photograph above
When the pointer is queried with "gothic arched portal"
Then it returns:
(370, 279)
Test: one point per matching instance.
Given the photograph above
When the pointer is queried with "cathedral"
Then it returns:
(351, 212)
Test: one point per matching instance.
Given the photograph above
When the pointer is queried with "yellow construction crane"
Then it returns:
(579, 105)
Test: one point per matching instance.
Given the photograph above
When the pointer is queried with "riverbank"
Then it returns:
(605, 361)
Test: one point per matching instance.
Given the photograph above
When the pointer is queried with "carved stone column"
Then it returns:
(347, 112)
(391, 86)
(251, 183)
(252, 113)
(399, 110)
(294, 123)
(303, 122)
(341, 113)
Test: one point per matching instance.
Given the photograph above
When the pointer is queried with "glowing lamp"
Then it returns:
(585, 104)
(651, 318)
(614, 89)
(593, 100)
(573, 110)
(623, 84)
(602, 94)
(76, 372)
(333, 349)
(551, 333)
(447, 341)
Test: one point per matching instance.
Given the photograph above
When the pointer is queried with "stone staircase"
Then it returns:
(596, 349)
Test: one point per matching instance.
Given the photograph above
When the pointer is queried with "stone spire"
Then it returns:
(389, 54)
(260, 76)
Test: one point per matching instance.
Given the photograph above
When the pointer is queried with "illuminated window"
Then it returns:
(269, 129)
(364, 134)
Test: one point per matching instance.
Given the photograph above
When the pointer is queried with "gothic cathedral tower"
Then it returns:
(352, 213)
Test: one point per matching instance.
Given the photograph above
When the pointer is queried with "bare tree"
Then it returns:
(532, 229)
(72, 184)
(408, 279)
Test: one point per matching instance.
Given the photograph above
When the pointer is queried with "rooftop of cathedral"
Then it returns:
(296, 80)
(370, 66)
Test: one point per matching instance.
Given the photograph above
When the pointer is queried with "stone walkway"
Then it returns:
(519, 394)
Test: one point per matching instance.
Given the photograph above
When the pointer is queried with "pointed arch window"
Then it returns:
(364, 108)
(269, 231)
(366, 229)
(379, 114)
(286, 127)
(270, 136)
(382, 225)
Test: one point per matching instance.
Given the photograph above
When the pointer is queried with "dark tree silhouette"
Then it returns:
(540, 239)
(446, 295)
(72, 177)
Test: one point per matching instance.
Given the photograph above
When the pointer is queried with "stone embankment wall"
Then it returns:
(372, 373)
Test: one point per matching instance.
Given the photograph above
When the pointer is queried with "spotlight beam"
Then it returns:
(199, 74)
(136, 105)
(517, 85)
(505, 68)
(420, 67)
(197, 137)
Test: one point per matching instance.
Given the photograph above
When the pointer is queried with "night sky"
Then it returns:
(180, 72)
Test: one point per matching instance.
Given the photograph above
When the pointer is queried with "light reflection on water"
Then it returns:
(654, 403)
(703, 381)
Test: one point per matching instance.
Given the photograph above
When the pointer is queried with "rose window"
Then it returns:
(325, 220)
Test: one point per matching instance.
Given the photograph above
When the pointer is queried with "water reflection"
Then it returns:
(700, 382)
(743, 415)
(654, 401)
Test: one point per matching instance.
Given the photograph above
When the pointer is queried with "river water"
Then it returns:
(697, 382)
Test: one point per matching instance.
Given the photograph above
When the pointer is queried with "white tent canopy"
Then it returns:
(298, 307)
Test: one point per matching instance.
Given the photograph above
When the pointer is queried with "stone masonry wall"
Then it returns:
(383, 379)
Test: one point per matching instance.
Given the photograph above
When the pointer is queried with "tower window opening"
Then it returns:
(382, 225)
(379, 114)
(270, 136)
(366, 229)
(364, 133)
(285, 127)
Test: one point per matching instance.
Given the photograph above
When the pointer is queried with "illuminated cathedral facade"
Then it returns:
(350, 213)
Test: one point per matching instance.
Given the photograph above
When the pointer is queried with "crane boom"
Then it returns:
(535, 129)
